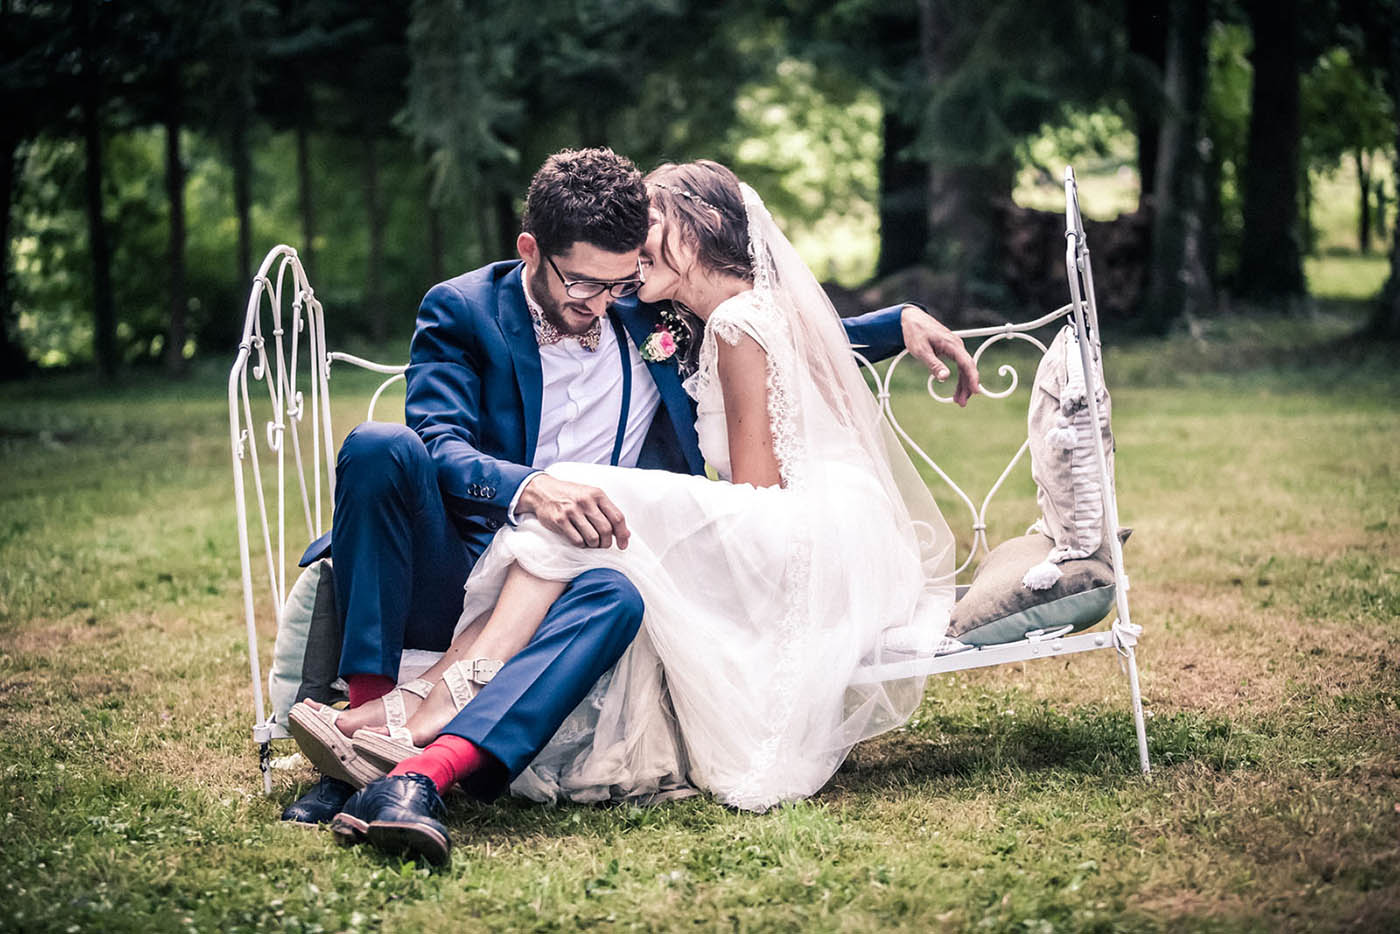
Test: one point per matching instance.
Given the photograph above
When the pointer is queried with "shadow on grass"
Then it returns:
(1083, 742)
(934, 756)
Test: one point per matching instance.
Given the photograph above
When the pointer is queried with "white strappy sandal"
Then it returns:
(464, 679)
(330, 750)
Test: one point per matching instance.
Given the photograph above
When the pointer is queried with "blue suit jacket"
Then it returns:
(474, 393)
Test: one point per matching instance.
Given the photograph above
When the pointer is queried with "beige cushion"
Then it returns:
(1063, 462)
(307, 651)
(997, 608)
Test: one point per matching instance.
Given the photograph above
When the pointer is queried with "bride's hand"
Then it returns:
(582, 514)
(933, 343)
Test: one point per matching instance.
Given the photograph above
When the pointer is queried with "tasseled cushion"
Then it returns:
(1064, 465)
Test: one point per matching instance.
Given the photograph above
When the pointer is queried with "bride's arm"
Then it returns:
(743, 379)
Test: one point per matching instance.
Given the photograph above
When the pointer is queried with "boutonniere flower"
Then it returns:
(659, 346)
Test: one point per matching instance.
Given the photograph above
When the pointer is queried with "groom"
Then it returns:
(513, 367)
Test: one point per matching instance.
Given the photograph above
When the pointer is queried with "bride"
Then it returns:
(766, 590)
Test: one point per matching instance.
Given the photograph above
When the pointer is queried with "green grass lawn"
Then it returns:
(1259, 463)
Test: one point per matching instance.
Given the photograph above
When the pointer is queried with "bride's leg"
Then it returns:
(461, 647)
(371, 715)
(521, 607)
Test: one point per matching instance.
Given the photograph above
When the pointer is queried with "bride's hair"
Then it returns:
(702, 199)
(703, 202)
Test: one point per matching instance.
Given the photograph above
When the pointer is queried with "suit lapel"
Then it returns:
(514, 317)
(639, 324)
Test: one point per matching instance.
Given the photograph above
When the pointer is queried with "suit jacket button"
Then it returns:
(493, 524)
(490, 491)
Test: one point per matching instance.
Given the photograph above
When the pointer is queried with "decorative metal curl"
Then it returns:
(1009, 373)
(260, 364)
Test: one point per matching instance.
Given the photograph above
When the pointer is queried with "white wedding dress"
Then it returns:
(760, 602)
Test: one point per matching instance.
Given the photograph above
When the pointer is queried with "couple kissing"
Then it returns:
(615, 624)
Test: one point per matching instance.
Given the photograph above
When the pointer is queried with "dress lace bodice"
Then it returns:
(753, 314)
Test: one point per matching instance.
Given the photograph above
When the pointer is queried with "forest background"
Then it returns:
(1238, 152)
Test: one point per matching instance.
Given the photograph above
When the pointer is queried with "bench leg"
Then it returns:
(1130, 654)
(265, 764)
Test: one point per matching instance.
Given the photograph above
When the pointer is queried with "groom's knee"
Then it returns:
(379, 456)
(616, 599)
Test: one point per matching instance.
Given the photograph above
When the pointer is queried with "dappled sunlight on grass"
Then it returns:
(1346, 275)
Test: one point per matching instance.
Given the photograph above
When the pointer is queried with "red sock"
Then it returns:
(365, 688)
(448, 759)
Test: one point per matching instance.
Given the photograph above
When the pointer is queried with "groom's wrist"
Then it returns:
(520, 503)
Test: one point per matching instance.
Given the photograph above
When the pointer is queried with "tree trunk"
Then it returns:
(374, 215)
(1307, 233)
(1146, 22)
(485, 234)
(243, 195)
(14, 362)
(104, 313)
(507, 224)
(175, 334)
(1271, 264)
(305, 203)
(965, 202)
(904, 192)
(1381, 199)
(436, 267)
(1178, 284)
(1363, 176)
(1210, 219)
(1385, 319)
(965, 230)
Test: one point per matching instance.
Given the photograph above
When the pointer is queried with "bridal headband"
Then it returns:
(688, 195)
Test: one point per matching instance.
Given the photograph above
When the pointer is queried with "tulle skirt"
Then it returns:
(760, 605)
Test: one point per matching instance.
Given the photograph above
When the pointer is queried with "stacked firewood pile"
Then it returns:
(1033, 247)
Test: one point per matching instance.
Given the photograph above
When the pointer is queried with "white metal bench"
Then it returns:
(292, 360)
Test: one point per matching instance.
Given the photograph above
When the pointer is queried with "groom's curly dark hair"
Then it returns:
(591, 195)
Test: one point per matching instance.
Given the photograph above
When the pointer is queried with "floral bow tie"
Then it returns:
(548, 334)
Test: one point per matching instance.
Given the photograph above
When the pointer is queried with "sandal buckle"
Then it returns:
(484, 669)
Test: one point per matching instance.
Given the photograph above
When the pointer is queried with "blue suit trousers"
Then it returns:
(400, 566)
(399, 563)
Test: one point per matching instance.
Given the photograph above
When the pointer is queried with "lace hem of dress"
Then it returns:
(751, 792)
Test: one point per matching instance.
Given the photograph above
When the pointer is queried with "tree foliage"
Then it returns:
(391, 143)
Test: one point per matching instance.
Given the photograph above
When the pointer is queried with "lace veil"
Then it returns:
(826, 421)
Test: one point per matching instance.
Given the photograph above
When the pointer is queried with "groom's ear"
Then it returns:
(528, 248)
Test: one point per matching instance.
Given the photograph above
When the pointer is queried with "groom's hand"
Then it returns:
(582, 514)
(933, 343)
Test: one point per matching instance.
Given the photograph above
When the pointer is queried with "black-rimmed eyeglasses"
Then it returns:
(591, 288)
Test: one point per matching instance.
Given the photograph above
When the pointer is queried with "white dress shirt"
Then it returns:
(582, 402)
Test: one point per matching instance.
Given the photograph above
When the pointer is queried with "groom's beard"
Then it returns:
(552, 311)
